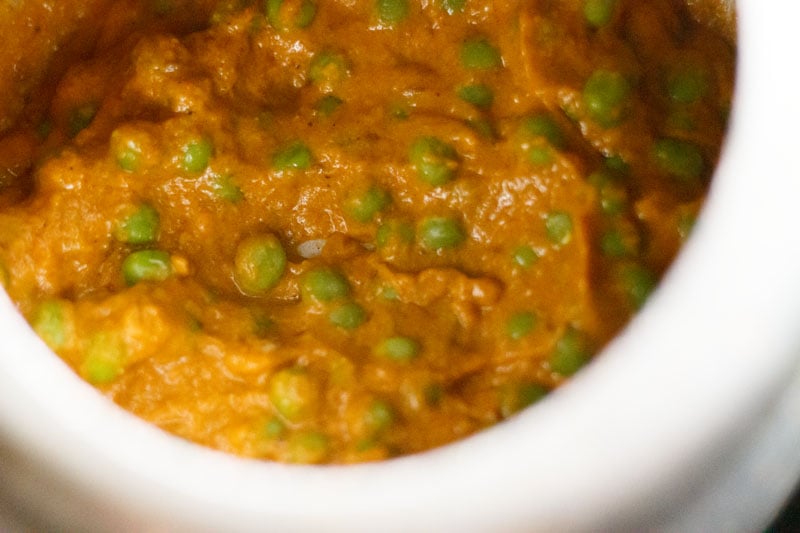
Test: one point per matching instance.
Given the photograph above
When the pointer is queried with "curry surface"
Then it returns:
(346, 230)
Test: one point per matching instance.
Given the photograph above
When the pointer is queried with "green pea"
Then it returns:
(386, 232)
(293, 394)
(197, 154)
(440, 233)
(483, 127)
(262, 323)
(52, 322)
(259, 263)
(436, 162)
(128, 159)
(524, 256)
(620, 241)
(348, 316)
(226, 189)
(366, 205)
(127, 152)
(43, 129)
(685, 223)
(274, 428)
(308, 447)
(638, 283)
(542, 125)
(518, 396)
(104, 359)
(680, 159)
(530, 393)
(162, 7)
(392, 12)
(540, 155)
(687, 84)
(294, 156)
(146, 265)
(325, 285)
(327, 70)
(559, 227)
(140, 227)
(616, 163)
(223, 10)
(378, 417)
(305, 15)
(328, 104)
(479, 94)
(605, 95)
(367, 445)
(681, 119)
(520, 324)
(598, 13)
(387, 292)
(537, 133)
(398, 349)
(80, 118)
(570, 353)
(479, 54)
(399, 110)
(612, 196)
(451, 7)
(394, 230)
(285, 14)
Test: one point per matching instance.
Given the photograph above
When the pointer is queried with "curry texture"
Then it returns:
(343, 230)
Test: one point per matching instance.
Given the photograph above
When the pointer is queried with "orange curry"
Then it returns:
(343, 230)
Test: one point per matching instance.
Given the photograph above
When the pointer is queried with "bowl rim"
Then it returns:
(644, 416)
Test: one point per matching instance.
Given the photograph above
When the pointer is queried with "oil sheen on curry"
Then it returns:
(334, 231)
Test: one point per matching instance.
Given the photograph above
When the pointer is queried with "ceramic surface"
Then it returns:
(689, 421)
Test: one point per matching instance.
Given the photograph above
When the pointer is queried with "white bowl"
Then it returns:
(690, 420)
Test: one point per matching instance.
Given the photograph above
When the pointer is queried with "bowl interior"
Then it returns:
(627, 440)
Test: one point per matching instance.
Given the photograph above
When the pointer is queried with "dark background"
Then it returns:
(789, 519)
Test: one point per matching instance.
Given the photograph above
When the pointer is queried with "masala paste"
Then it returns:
(338, 230)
